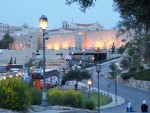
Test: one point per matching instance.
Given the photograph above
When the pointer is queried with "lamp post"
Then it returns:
(30, 70)
(98, 69)
(92, 63)
(43, 24)
(116, 82)
(89, 82)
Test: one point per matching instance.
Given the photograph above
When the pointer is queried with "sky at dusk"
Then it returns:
(18, 12)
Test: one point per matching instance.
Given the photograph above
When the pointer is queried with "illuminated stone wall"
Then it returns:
(102, 39)
(60, 41)
(28, 40)
(91, 37)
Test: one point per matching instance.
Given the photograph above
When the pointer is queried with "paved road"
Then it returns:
(132, 95)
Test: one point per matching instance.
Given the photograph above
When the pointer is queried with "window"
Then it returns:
(2, 69)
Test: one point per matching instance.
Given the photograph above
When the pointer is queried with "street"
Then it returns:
(132, 95)
(135, 96)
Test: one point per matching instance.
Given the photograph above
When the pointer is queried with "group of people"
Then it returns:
(144, 107)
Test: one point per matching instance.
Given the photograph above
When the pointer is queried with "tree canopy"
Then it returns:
(135, 14)
(76, 74)
(7, 39)
(84, 4)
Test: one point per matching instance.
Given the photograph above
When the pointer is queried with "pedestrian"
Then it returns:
(129, 107)
(144, 107)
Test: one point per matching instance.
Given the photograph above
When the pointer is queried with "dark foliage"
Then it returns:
(127, 75)
(10, 62)
(113, 48)
(76, 74)
(6, 41)
(134, 14)
(143, 75)
(84, 4)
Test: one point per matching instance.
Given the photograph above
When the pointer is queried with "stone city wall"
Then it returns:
(139, 84)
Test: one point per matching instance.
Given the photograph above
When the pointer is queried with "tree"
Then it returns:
(6, 41)
(121, 49)
(113, 69)
(147, 49)
(84, 4)
(15, 61)
(131, 52)
(28, 63)
(10, 62)
(125, 63)
(113, 48)
(134, 14)
(77, 75)
(134, 54)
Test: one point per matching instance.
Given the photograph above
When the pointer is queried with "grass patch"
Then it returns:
(142, 75)
(94, 97)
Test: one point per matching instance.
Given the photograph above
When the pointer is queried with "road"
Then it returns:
(135, 96)
(132, 95)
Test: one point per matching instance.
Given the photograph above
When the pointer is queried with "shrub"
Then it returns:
(55, 97)
(37, 96)
(121, 50)
(87, 66)
(73, 98)
(133, 69)
(65, 97)
(90, 105)
(141, 68)
(14, 94)
(143, 75)
(127, 75)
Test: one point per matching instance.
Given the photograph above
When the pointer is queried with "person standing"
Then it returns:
(144, 107)
(129, 107)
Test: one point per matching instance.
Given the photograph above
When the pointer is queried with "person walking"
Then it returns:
(144, 107)
(129, 107)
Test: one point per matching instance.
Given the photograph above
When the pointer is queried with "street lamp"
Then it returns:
(116, 82)
(98, 69)
(89, 82)
(43, 24)
(92, 63)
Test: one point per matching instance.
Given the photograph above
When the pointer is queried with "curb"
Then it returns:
(120, 100)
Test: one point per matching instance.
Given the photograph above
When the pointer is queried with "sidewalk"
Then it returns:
(120, 101)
